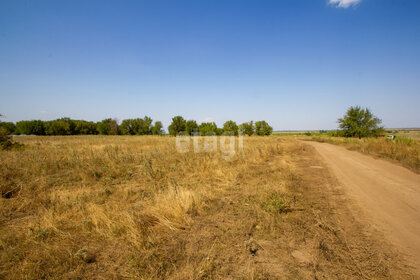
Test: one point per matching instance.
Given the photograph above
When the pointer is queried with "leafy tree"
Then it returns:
(9, 127)
(208, 128)
(130, 126)
(191, 126)
(84, 127)
(145, 126)
(262, 128)
(157, 129)
(107, 127)
(360, 122)
(137, 126)
(247, 128)
(63, 126)
(35, 127)
(230, 128)
(178, 125)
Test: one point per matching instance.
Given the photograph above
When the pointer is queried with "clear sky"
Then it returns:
(297, 64)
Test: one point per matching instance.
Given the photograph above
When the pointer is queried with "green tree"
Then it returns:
(34, 127)
(247, 128)
(360, 122)
(145, 126)
(208, 128)
(177, 126)
(107, 127)
(230, 128)
(9, 127)
(63, 126)
(126, 127)
(262, 128)
(84, 127)
(157, 128)
(191, 126)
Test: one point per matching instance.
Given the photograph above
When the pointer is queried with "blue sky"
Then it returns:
(296, 63)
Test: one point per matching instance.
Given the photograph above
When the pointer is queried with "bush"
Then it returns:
(6, 141)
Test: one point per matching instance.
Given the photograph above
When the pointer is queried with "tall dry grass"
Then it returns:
(107, 197)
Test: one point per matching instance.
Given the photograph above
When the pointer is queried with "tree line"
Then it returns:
(190, 127)
(67, 126)
(138, 126)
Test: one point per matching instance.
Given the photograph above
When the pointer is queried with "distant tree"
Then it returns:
(157, 128)
(247, 128)
(128, 127)
(262, 128)
(84, 127)
(177, 126)
(230, 128)
(145, 126)
(35, 127)
(107, 127)
(208, 128)
(360, 122)
(191, 126)
(9, 127)
(63, 126)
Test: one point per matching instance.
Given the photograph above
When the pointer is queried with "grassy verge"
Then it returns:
(402, 150)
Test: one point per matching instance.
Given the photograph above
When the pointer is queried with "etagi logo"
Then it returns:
(228, 145)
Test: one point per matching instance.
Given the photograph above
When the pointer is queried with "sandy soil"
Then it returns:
(388, 195)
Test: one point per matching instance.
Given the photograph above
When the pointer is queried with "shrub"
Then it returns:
(6, 141)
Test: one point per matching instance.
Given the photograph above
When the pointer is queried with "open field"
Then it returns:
(407, 133)
(121, 207)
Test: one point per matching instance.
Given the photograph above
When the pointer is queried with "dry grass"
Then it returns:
(406, 151)
(97, 207)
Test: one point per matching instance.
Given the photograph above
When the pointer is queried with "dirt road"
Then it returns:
(387, 194)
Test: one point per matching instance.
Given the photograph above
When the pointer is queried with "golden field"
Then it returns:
(132, 207)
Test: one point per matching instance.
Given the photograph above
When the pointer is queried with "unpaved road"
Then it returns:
(387, 194)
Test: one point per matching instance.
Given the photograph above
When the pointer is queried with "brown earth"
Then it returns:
(386, 195)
